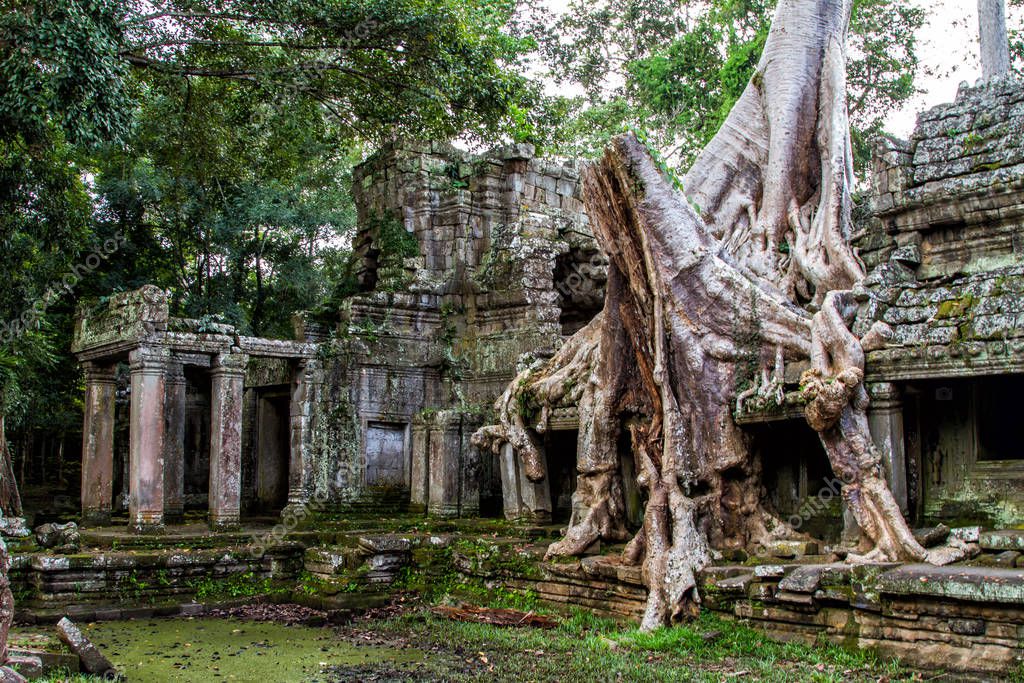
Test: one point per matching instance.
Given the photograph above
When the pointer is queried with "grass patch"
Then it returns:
(586, 647)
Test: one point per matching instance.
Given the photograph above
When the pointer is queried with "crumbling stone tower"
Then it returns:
(467, 264)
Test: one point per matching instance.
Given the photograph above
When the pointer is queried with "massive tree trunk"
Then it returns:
(749, 269)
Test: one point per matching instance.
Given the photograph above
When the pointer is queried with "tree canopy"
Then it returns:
(675, 69)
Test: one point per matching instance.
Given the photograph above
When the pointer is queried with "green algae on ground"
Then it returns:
(161, 650)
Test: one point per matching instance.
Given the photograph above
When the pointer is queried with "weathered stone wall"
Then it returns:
(943, 237)
(950, 197)
(111, 581)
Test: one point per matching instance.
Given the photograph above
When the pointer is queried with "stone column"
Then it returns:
(146, 471)
(228, 387)
(419, 470)
(300, 419)
(98, 444)
(995, 42)
(522, 498)
(175, 412)
(453, 469)
(443, 469)
(885, 418)
(509, 482)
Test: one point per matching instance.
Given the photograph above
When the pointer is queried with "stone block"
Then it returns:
(931, 536)
(735, 584)
(1001, 540)
(385, 543)
(92, 660)
(192, 609)
(967, 627)
(769, 571)
(975, 584)
(803, 579)
(794, 598)
(29, 666)
(968, 534)
(1007, 558)
(790, 549)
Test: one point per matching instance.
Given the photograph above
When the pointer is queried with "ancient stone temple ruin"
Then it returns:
(472, 267)
(469, 265)
(200, 395)
(941, 233)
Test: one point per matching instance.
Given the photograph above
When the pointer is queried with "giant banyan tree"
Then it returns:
(748, 261)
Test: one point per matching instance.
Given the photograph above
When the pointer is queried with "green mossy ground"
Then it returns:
(416, 645)
(583, 647)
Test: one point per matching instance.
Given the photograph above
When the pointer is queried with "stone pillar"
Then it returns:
(146, 471)
(509, 482)
(226, 397)
(995, 42)
(98, 444)
(453, 469)
(443, 473)
(470, 470)
(885, 418)
(419, 470)
(522, 498)
(175, 413)
(299, 464)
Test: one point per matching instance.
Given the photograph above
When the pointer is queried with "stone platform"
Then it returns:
(959, 618)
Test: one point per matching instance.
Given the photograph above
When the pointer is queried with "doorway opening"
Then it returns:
(273, 450)
(197, 438)
(798, 477)
(560, 453)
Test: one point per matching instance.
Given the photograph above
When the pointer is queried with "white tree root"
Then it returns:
(693, 296)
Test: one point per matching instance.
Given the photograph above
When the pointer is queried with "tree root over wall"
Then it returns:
(761, 273)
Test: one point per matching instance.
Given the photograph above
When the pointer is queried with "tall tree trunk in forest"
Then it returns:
(751, 266)
(995, 40)
(10, 498)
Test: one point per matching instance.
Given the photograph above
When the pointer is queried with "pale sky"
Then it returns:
(947, 48)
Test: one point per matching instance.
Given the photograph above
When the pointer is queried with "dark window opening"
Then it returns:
(1000, 429)
(561, 463)
(579, 281)
(965, 420)
(492, 503)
